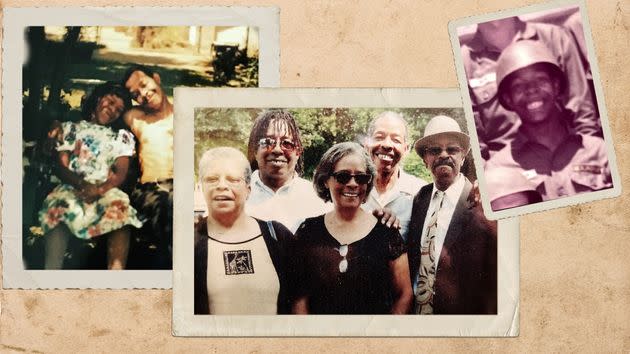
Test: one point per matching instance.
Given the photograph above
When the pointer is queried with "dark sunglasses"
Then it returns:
(270, 143)
(451, 150)
(344, 177)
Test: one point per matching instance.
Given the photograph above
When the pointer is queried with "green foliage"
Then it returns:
(414, 165)
(222, 127)
(321, 128)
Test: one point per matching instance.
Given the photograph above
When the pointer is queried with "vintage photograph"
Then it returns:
(337, 211)
(97, 131)
(98, 136)
(538, 114)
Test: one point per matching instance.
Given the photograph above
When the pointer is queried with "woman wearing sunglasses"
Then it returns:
(345, 262)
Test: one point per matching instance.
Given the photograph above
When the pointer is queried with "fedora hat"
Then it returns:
(441, 125)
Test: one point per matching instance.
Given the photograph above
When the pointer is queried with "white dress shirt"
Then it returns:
(445, 214)
(289, 205)
(399, 199)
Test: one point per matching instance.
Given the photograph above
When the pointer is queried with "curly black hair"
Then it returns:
(109, 88)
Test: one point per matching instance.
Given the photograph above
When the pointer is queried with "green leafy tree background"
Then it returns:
(320, 128)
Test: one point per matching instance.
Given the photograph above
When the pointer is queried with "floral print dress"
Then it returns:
(93, 149)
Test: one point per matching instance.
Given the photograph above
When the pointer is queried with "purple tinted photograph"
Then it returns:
(532, 93)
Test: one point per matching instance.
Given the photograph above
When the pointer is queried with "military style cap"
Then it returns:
(521, 54)
(441, 125)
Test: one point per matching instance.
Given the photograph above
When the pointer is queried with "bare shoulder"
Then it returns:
(133, 114)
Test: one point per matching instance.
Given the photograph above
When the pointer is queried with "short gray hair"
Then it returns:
(327, 164)
(225, 152)
(395, 115)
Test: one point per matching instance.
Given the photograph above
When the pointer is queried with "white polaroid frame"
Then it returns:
(185, 323)
(15, 21)
(463, 85)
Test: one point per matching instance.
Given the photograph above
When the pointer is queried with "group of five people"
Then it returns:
(275, 243)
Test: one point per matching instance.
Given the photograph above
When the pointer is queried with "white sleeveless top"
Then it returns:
(241, 278)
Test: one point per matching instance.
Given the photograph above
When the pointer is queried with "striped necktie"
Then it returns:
(426, 274)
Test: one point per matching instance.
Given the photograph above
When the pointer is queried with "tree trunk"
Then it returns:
(54, 98)
(36, 40)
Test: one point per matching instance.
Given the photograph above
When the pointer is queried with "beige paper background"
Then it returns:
(575, 268)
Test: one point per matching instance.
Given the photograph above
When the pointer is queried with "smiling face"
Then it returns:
(532, 93)
(224, 186)
(145, 90)
(351, 194)
(387, 145)
(108, 109)
(444, 156)
(276, 162)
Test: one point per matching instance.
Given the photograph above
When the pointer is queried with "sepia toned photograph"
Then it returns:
(529, 78)
(97, 136)
(333, 211)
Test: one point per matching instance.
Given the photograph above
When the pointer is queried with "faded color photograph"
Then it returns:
(97, 117)
(339, 211)
(536, 113)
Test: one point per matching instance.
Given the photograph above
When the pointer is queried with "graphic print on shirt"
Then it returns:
(238, 262)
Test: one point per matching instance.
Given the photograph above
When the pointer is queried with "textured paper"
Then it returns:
(15, 21)
(185, 323)
(575, 270)
(524, 12)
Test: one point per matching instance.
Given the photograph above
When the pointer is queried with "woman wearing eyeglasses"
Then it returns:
(239, 260)
(345, 262)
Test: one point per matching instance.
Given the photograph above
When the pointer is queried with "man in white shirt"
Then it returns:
(387, 145)
(278, 192)
(451, 245)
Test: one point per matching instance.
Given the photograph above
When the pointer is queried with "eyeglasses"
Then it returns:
(451, 150)
(270, 143)
(213, 181)
(344, 177)
(343, 264)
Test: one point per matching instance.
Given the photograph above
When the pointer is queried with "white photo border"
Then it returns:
(267, 19)
(615, 191)
(185, 323)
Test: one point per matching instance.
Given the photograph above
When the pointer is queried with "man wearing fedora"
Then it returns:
(452, 247)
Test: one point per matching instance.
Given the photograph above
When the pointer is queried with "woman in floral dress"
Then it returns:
(93, 160)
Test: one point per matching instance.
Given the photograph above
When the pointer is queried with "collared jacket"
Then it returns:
(466, 275)
(579, 164)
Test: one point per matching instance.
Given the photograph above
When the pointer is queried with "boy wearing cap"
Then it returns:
(496, 126)
(553, 159)
(451, 245)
